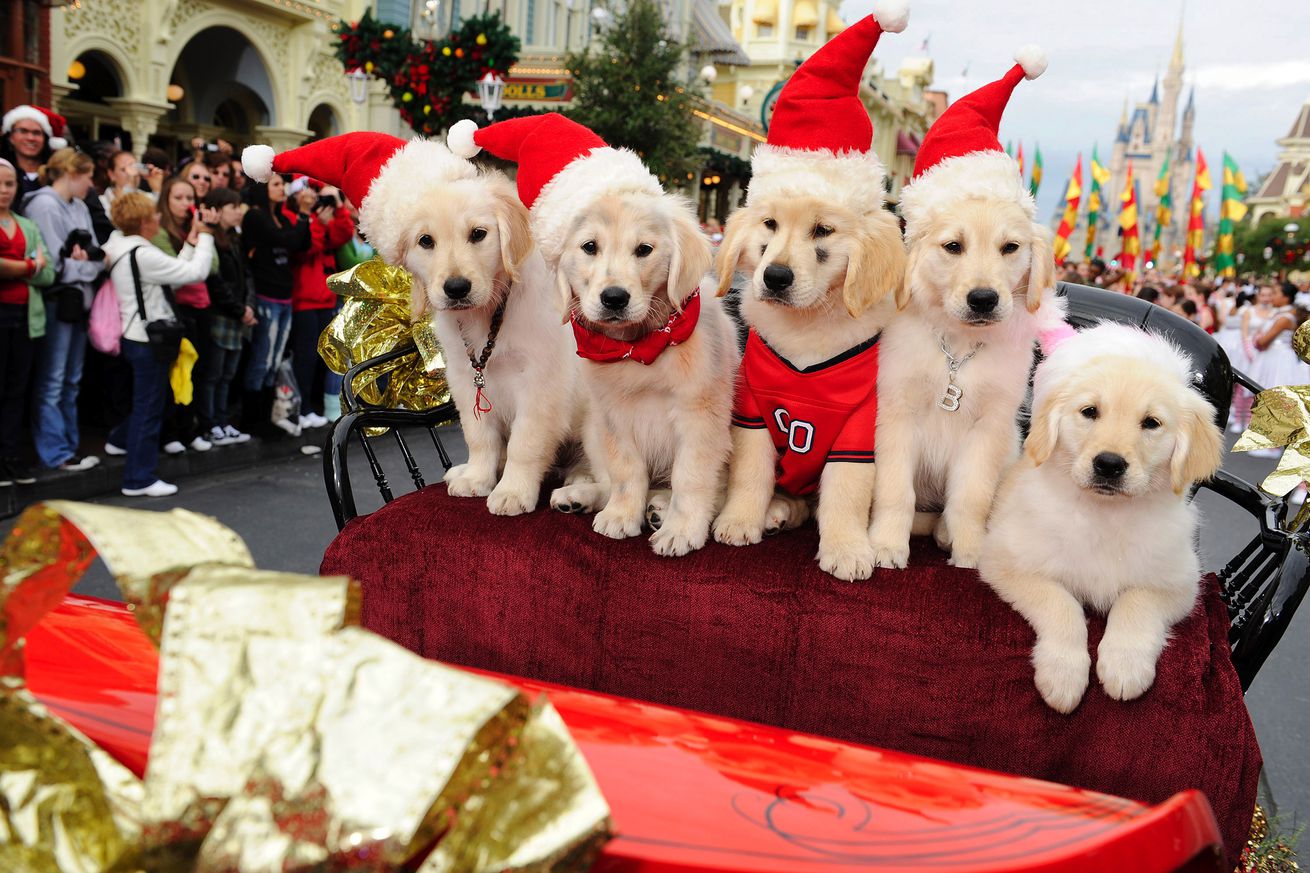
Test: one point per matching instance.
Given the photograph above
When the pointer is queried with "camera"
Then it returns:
(326, 201)
(83, 238)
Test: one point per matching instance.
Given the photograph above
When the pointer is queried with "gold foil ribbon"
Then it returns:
(374, 320)
(285, 737)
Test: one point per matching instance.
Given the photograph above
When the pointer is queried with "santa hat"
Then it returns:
(51, 123)
(961, 156)
(563, 166)
(376, 171)
(821, 138)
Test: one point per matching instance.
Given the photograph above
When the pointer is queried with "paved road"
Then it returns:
(282, 513)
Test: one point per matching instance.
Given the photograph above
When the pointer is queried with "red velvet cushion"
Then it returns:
(927, 660)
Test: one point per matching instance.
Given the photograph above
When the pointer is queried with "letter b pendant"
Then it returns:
(951, 399)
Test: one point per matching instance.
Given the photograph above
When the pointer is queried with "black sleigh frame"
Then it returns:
(1262, 585)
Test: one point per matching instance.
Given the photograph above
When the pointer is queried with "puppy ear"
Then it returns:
(513, 228)
(419, 306)
(876, 265)
(1198, 447)
(691, 256)
(1044, 429)
(565, 298)
(734, 239)
(907, 280)
(1041, 271)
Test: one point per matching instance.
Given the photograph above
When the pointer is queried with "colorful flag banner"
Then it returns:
(1019, 158)
(1037, 171)
(1196, 218)
(1164, 210)
(1231, 211)
(1100, 178)
(1072, 195)
(1132, 241)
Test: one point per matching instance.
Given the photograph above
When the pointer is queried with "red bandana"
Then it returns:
(598, 347)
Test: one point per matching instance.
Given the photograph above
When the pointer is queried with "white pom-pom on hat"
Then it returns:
(891, 15)
(257, 162)
(459, 139)
(57, 142)
(1032, 59)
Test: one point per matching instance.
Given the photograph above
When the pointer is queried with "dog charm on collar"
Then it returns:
(950, 399)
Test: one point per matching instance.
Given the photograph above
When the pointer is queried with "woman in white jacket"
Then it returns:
(136, 218)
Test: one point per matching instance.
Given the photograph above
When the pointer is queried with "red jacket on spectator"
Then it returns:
(311, 267)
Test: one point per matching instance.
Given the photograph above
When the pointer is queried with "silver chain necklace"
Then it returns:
(950, 400)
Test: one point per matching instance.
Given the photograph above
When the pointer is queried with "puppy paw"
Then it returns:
(941, 534)
(1061, 675)
(965, 555)
(737, 531)
(1125, 672)
(582, 498)
(676, 538)
(850, 561)
(893, 556)
(616, 525)
(510, 498)
(657, 507)
(464, 481)
(785, 513)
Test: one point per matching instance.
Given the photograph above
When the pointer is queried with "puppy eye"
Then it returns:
(643, 250)
(1090, 412)
(1009, 248)
(953, 247)
(822, 230)
(1150, 423)
(425, 241)
(477, 235)
(589, 247)
(770, 224)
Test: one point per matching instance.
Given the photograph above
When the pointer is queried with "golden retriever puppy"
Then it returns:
(1097, 512)
(822, 274)
(630, 267)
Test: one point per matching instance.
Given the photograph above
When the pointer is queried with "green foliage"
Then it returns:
(1250, 241)
(428, 79)
(628, 89)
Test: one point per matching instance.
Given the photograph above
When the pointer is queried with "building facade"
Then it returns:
(24, 52)
(1146, 139)
(1286, 190)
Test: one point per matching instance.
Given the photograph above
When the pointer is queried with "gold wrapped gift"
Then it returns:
(286, 738)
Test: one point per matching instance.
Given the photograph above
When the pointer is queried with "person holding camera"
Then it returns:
(140, 271)
(312, 304)
(59, 210)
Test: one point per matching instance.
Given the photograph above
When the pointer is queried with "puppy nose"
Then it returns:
(614, 298)
(983, 300)
(457, 287)
(777, 277)
(1108, 465)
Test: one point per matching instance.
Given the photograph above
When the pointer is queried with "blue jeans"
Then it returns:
(214, 385)
(268, 344)
(58, 373)
(139, 433)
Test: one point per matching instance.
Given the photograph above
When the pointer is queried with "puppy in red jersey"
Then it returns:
(824, 256)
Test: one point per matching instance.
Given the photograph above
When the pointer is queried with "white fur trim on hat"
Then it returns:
(460, 138)
(28, 113)
(257, 162)
(976, 175)
(405, 180)
(603, 171)
(1112, 340)
(56, 143)
(892, 15)
(1032, 59)
(852, 179)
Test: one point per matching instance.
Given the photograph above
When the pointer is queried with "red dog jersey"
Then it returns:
(822, 413)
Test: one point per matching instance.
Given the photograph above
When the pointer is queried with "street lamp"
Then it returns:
(745, 92)
(1290, 229)
(358, 80)
(709, 73)
(491, 88)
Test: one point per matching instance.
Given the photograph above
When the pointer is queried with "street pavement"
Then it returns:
(281, 511)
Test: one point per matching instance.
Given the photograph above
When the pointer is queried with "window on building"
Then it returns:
(764, 31)
(530, 25)
(552, 23)
(803, 33)
(454, 14)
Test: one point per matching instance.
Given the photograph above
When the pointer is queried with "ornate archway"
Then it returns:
(221, 87)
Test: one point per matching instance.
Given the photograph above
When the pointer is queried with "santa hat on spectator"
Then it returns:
(51, 123)
(961, 156)
(378, 172)
(821, 139)
(563, 166)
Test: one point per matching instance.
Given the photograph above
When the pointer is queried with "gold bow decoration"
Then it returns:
(374, 320)
(1280, 418)
(286, 737)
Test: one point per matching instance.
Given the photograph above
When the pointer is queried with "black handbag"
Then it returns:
(70, 305)
(164, 334)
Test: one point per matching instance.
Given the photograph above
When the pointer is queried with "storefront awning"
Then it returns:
(906, 143)
(806, 14)
(835, 24)
(765, 11)
(711, 36)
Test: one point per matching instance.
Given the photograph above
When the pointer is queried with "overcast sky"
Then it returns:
(1249, 60)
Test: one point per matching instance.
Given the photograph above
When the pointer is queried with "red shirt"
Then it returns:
(822, 413)
(13, 248)
(311, 268)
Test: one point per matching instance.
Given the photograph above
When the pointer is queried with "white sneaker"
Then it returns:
(113, 450)
(174, 448)
(157, 488)
(216, 437)
(289, 426)
(200, 444)
(235, 435)
(79, 463)
(312, 419)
